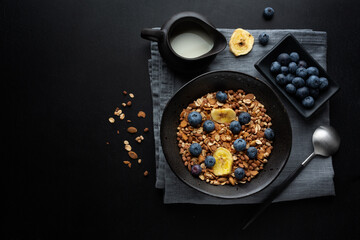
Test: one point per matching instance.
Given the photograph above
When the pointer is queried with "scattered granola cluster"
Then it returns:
(132, 130)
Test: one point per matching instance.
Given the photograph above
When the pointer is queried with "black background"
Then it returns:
(66, 64)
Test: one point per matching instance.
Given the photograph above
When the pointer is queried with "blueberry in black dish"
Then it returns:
(308, 76)
(308, 102)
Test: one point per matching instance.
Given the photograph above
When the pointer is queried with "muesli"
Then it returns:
(225, 137)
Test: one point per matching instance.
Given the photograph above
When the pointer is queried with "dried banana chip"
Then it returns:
(241, 42)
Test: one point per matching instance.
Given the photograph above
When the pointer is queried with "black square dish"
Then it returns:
(287, 45)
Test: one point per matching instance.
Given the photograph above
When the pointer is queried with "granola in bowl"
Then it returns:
(225, 137)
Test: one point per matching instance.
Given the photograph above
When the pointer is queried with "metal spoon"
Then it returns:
(326, 141)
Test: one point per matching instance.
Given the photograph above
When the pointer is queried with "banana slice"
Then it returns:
(241, 42)
(224, 161)
(223, 115)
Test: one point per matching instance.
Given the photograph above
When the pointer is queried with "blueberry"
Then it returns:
(284, 59)
(289, 77)
(263, 39)
(239, 173)
(294, 56)
(298, 82)
(314, 92)
(324, 83)
(292, 67)
(269, 134)
(195, 149)
(280, 79)
(268, 13)
(221, 96)
(302, 63)
(194, 118)
(302, 92)
(308, 102)
(196, 170)
(235, 127)
(284, 70)
(251, 152)
(313, 81)
(301, 72)
(275, 67)
(290, 88)
(239, 144)
(210, 161)
(244, 118)
(312, 71)
(208, 126)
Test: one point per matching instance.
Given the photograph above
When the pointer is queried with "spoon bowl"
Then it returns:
(326, 141)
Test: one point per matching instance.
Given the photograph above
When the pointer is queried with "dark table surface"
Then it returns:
(66, 64)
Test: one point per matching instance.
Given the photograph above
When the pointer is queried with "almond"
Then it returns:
(231, 180)
(132, 130)
(223, 179)
(133, 155)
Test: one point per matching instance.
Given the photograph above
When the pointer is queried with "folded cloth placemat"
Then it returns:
(314, 181)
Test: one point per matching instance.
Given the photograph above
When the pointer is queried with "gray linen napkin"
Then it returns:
(314, 181)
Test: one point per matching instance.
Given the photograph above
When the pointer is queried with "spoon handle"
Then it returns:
(278, 189)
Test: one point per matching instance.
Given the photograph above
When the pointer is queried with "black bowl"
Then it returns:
(287, 45)
(226, 80)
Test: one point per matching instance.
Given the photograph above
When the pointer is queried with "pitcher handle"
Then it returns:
(152, 34)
